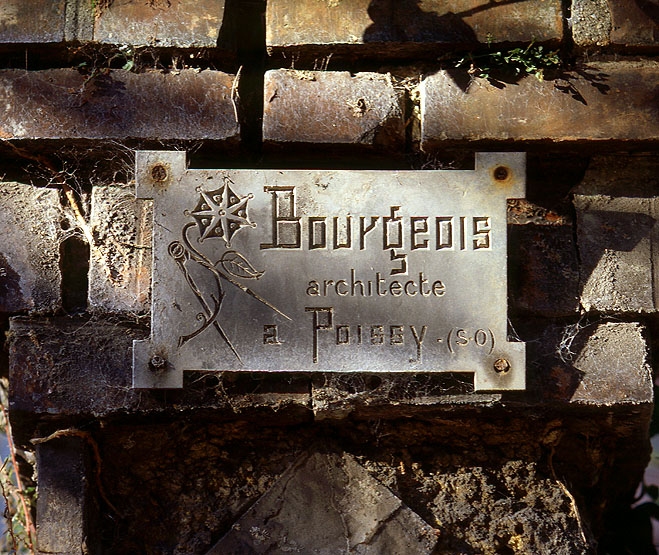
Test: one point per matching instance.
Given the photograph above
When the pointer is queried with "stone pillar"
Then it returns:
(63, 502)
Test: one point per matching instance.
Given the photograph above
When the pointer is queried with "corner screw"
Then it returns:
(157, 362)
(501, 365)
(501, 173)
(159, 173)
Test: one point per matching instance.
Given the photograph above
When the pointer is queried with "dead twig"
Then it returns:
(72, 432)
(552, 439)
(31, 530)
(235, 96)
(14, 543)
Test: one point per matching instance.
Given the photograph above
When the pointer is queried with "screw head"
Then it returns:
(501, 173)
(501, 365)
(159, 173)
(157, 362)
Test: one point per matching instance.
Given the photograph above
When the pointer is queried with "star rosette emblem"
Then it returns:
(221, 213)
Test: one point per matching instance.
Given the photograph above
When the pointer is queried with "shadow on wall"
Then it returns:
(404, 20)
(650, 8)
(611, 232)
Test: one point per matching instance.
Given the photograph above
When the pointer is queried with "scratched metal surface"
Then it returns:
(249, 276)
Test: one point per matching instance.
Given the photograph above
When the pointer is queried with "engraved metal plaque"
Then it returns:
(334, 271)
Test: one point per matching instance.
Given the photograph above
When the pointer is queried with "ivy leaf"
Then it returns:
(238, 266)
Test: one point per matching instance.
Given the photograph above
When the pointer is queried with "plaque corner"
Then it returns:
(152, 369)
(504, 171)
(504, 371)
(156, 169)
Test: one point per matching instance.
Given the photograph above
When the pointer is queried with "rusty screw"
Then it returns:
(501, 173)
(157, 362)
(159, 173)
(501, 365)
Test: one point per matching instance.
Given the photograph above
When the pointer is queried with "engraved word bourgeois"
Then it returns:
(290, 231)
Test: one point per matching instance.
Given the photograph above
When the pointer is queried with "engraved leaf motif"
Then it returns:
(238, 266)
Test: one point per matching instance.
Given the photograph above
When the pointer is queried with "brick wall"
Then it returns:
(413, 464)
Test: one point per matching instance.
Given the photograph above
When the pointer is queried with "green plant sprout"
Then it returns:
(532, 60)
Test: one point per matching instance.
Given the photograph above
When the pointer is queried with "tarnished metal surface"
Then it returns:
(335, 271)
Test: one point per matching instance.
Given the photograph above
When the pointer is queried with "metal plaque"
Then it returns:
(332, 271)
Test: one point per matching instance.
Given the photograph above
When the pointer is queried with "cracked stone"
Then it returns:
(328, 503)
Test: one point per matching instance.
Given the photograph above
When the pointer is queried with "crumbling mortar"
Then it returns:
(567, 44)
(577, 251)
(410, 94)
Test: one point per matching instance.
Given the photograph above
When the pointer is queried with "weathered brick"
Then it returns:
(120, 261)
(332, 108)
(62, 103)
(634, 22)
(79, 20)
(32, 21)
(543, 269)
(614, 365)
(89, 374)
(600, 101)
(615, 22)
(591, 22)
(30, 276)
(601, 404)
(618, 234)
(615, 246)
(63, 504)
(587, 361)
(493, 483)
(184, 23)
(391, 26)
